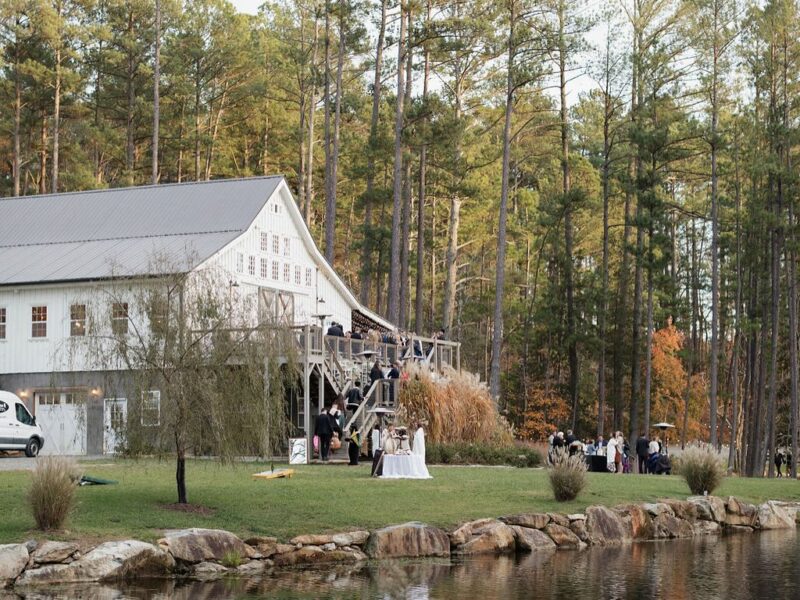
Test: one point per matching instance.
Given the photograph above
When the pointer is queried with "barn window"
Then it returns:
(297, 276)
(276, 244)
(264, 242)
(276, 268)
(2, 323)
(287, 272)
(119, 318)
(239, 262)
(251, 265)
(308, 276)
(39, 321)
(264, 268)
(77, 320)
(287, 247)
(151, 408)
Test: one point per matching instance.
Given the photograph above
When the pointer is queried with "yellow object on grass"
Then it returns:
(276, 474)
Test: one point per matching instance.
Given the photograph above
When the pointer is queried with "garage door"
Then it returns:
(62, 417)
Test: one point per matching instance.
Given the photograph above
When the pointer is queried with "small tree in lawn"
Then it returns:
(202, 369)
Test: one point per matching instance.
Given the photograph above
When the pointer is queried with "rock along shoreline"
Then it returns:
(214, 553)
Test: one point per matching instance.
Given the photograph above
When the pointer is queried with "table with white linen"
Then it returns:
(404, 466)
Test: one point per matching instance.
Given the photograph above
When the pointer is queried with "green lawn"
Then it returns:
(328, 498)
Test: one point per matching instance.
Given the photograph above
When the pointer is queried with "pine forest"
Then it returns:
(597, 198)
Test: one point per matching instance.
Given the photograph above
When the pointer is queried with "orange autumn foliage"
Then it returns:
(669, 383)
(546, 411)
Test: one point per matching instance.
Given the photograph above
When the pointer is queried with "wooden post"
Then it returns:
(307, 394)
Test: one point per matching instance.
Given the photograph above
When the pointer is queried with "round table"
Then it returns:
(404, 466)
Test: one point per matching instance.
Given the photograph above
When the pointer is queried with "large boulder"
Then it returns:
(563, 537)
(578, 527)
(350, 538)
(13, 559)
(264, 547)
(529, 520)
(111, 560)
(200, 545)
(655, 509)
(532, 540)
(492, 537)
(559, 519)
(709, 508)
(637, 521)
(311, 540)
(704, 527)
(408, 540)
(464, 533)
(740, 513)
(773, 516)
(682, 509)
(54, 552)
(670, 526)
(604, 527)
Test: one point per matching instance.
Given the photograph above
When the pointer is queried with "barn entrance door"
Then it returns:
(62, 417)
(115, 417)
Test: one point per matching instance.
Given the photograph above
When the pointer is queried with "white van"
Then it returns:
(18, 429)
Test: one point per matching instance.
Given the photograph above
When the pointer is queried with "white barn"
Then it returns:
(56, 249)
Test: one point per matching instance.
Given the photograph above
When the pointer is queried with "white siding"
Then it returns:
(281, 224)
(20, 353)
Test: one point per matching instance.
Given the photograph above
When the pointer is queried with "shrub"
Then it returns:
(231, 559)
(462, 453)
(567, 476)
(52, 492)
(702, 468)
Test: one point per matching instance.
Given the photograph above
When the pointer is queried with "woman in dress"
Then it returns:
(418, 447)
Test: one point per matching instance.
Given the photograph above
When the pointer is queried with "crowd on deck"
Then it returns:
(649, 454)
(402, 339)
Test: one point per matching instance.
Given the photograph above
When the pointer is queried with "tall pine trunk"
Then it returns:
(393, 312)
(419, 318)
(330, 205)
(572, 342)
(156, 91)
(500, 271)
(367, 266)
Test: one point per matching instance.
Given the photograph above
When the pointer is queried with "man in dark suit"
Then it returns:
(354, 397)
(323, 429)
(641, 453)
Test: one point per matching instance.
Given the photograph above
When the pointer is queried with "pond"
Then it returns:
(739, 567)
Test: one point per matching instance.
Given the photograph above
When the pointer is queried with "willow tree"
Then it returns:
(202, 374)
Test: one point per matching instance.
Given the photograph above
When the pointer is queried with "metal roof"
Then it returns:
(119, 232)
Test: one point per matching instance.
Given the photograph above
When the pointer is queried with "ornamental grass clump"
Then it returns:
(52, 492)
(456, 406)
(702, 468)
(567, 476)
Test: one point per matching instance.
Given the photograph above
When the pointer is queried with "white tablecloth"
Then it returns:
(404, 466)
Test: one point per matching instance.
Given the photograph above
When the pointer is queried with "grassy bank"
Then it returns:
(328, 498)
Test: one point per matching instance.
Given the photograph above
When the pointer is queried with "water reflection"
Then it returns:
(741, 567)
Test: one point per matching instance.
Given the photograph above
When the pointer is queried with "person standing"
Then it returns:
(323, 429)
(354, 448)
(376, 373)
(394, 382)
(779, 462)
(642, 444)
(419, 441)
(354, 397)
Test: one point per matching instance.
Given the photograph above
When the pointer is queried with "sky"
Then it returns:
(247, 6)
